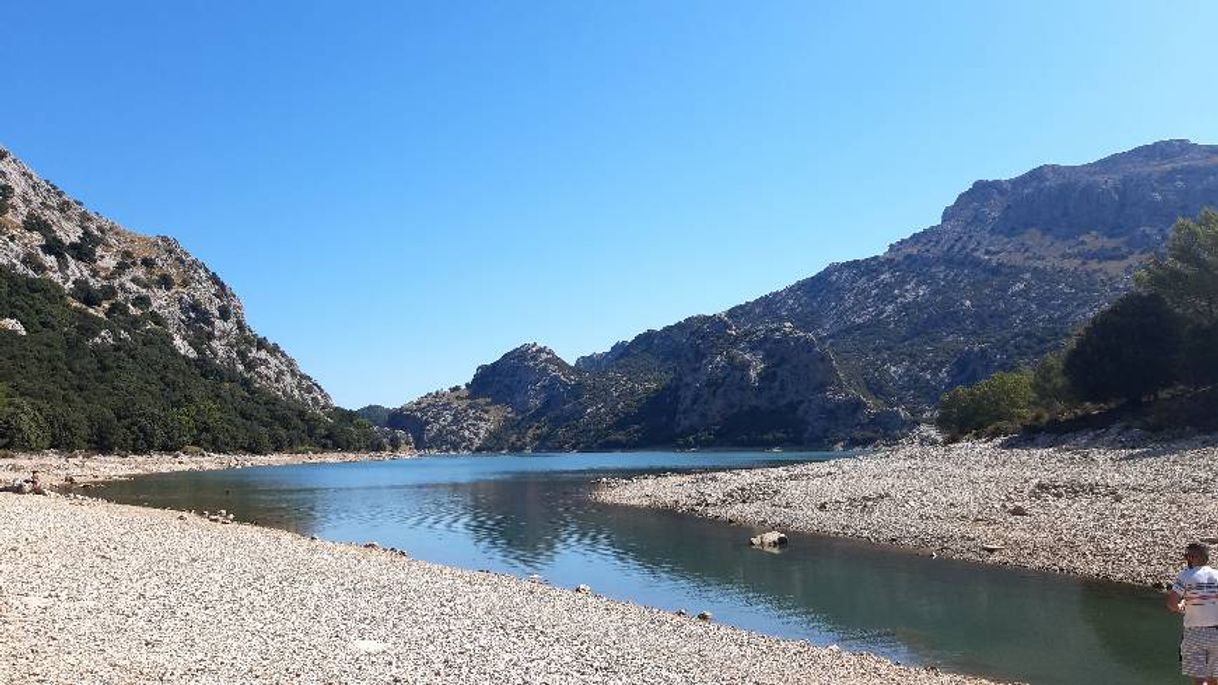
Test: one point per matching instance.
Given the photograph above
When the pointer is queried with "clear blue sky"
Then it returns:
(400, 191)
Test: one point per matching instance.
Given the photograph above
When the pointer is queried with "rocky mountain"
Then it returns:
(1012, 268)
(851, 353)
(705, 381)
(107, 268)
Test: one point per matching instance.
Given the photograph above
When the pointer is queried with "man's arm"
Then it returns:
(1175, 603)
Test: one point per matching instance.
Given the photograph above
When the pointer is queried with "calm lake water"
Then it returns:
(529, 514)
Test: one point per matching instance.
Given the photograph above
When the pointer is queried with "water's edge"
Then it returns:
(526, 515)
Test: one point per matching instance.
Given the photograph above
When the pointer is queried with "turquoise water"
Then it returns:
(529, 514)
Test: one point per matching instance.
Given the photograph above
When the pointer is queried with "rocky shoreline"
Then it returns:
(58, 469)
(103, 593)
(1112, 513)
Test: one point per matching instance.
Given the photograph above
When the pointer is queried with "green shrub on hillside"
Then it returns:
(85, 249)
(1186, 276)
(6, 194)
(33, 262)
(1199, 355)
(1050, 386)
(1128, 351)
(23, 426)
(84, 293)
(999, 403)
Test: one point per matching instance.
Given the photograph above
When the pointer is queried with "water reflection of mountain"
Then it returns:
(522, 518)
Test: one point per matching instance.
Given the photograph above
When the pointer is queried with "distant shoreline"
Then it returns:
(87, 469)
(1117, 514)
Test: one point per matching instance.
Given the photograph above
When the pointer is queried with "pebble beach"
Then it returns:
(1120, 514)
(58, 469)
(94, 592)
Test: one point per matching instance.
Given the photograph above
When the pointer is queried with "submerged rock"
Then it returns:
(771, 538)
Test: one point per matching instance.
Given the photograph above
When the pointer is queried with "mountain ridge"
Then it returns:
(1011, 268)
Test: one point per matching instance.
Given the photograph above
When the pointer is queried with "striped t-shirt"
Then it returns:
(1198, 586)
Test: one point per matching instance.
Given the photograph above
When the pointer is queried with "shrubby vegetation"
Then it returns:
(6, 195)
(1126, 352)
(999, 403)
(375, 414)
(1160, 338)
(116, 384)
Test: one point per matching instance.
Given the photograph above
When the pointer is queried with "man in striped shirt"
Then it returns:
(1195, 594)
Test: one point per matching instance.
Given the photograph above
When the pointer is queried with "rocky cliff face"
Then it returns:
(530, 378)
(849, 353)
(1012, 269)
(46, 234)
(448, 421)
(702, 382)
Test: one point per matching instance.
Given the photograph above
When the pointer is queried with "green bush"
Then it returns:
(54, 247)
(1050, 386)
(22, 426)
(34, 263)
(997, 404)
(84, 293)
(1186, 277)
(35, 223)
(1199, 355)
(85, 249)
(1128, 351)
(6, 195)
(118, 311)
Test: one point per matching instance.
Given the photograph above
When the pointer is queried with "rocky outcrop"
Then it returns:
(12, 325)
(701, 382)
(745, 386)
(110, 270)
(1012, 269)
(849, 354)
(527, 379)
(448, 421)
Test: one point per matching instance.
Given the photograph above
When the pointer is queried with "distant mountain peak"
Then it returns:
(1176, 150)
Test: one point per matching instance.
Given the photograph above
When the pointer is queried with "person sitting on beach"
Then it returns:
(1195, 594)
